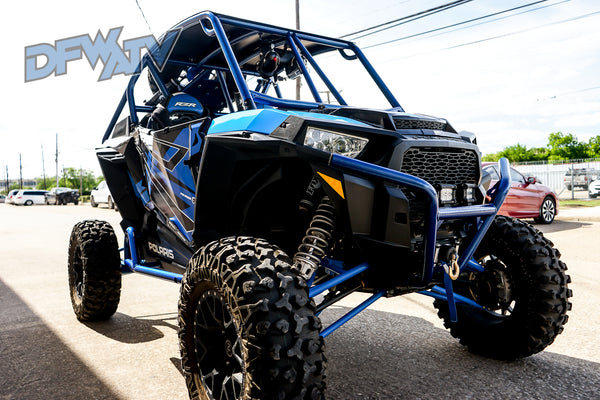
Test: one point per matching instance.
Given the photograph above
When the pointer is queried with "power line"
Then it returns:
(473, 20)
(554, 97)
(501, 36)
(406, 19)
(144, 16)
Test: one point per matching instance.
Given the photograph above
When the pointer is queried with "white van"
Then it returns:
(29, 197)
(11, 195)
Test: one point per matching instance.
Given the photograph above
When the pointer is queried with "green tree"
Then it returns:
(565, 147)
(515, 153)
(594, 147)
(71, 178)
(518, 153)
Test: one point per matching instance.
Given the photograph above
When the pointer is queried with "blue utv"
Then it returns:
(268, 209)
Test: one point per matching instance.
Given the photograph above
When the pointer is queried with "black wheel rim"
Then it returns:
(78, 273)
(493, 288)
(218, 348)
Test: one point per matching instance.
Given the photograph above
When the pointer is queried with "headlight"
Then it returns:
(335, 142)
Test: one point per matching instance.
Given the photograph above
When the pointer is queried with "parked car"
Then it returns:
(62, 195)
(2, 198)
(594, 189)
(11, 195)
(101, 195)
(579, 178)
(527, 198)
(29, 197)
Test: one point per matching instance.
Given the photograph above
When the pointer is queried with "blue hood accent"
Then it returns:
(266, 120)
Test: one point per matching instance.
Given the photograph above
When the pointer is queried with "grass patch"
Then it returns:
(580, 203)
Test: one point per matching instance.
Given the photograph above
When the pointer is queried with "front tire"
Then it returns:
(547, 211)
(94, 270)
(247, 326)
(111, 204)
(523, 291)
(93, 202)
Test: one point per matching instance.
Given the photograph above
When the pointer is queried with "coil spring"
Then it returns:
(317, 239)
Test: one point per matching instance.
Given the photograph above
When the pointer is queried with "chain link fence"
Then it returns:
(569, 179)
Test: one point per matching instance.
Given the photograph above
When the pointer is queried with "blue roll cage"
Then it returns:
(249, 97)
(484, 214)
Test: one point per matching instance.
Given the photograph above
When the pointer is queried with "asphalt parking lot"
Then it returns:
(397, 349)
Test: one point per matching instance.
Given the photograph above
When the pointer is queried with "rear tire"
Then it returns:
(94, 271)
(523, 290)
(28, 202)
(247, 326)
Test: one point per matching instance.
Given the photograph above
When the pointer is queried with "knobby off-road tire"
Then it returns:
(247, 327)
(94, 270)
(524, 290)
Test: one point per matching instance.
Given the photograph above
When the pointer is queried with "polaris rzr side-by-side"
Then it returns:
(267, 210)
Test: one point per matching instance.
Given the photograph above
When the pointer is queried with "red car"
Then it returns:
(526, 198)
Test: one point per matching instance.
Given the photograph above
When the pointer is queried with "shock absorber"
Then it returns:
(317, 239)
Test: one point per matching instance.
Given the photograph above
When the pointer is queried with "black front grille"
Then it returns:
(442, 165)
(407, 123)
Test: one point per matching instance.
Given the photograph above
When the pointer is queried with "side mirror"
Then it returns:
(531, 180)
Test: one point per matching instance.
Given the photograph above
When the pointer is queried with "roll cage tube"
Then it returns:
(294, 39)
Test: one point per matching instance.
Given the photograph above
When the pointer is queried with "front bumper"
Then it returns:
(434, 215)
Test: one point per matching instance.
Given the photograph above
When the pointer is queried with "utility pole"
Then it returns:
(7, 181)
(56, 160)
(20, 173)
(298, 79)
(43, 168)
(80, 180)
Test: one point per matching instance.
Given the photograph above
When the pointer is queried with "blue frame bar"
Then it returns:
(438, 292)
(473, 265)
(113, 121)
(320, 72)
(134, 265)
(352, 313)
(307, 77)
(318, 289)
(382, 86)
(236, 72)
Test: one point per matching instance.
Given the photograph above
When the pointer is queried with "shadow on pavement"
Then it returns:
(128, 329)
(380, 355)
(559, 226)
(35, 363)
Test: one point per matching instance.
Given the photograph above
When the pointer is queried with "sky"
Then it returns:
(510, 80)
